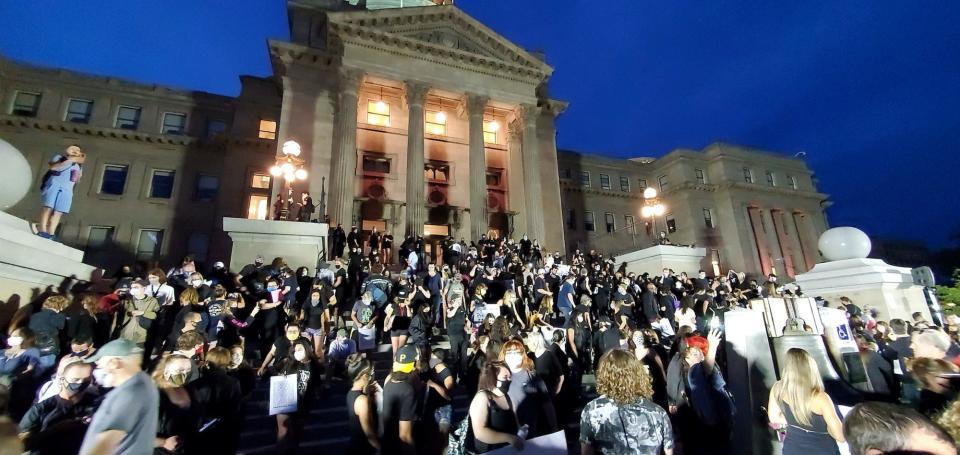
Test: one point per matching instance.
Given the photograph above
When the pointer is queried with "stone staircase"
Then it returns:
(326, 429)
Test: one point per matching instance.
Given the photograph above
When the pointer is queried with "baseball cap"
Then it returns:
(116, 348)
(218, 265)
(405, 359)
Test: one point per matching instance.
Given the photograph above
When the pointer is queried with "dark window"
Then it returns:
(26, 104)
(114, 179)
(630, 224)
(128, 117)
(99, 237)
(747, 175)
(588, 221)
(149, 244)
(663, 183)
(770, 179)
(377, 164)
(701, 177)
(198, 244)
(708, 218)
(437, 171)
(207, 187)
(161, 184)
(642, 184)
(610, 222)
(624, 184)
(605, 181)
(495, 178)
(216, 127)
(174, 123)
(585, 179)
(572, 220)
(78, 111)
(671, 224)
(792, 181)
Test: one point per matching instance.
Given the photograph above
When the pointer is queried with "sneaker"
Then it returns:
(45, 235)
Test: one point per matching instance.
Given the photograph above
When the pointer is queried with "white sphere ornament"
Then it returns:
(15, 175)
(842, 243)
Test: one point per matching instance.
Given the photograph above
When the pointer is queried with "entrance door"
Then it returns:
(433, 237)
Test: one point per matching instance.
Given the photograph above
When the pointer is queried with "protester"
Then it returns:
(798, 403)
(57, 424)
(623, 419)
(362, 406)
(56, 189)
(876, 428)
(493, 418)
(401, 401)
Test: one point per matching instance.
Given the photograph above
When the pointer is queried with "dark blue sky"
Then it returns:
(870, 90)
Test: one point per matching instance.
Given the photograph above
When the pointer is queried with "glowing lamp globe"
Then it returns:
(291, 148)
(649, 193)
(441, 117)
(493, 126)
(287, 168)
(301, 174)
(15, 175)
(842, 243)
(646, 211)
(289, 177)
(276, 171)
(659, 210)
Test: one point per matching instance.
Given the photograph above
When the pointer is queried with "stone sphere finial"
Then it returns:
(844, 243)
(15, 175)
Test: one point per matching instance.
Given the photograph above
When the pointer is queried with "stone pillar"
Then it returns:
(416, 93)
(776, 253)
(478, 167)
(531, 172)
(760, 239)
(784, 240)
(808, 239)
(344, 169)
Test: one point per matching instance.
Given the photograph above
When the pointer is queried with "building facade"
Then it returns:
(414, 120)
(753, 211)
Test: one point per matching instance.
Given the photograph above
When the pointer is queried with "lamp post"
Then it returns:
(289, 165)
(652, 207)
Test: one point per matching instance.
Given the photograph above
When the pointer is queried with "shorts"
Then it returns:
(57, 198)
(313, 332)
(442, 415)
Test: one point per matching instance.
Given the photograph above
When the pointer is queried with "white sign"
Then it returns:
(283, 394)
(366, 338)
(491, 308)
(551, 444)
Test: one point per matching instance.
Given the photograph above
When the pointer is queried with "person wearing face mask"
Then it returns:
(281, 346)
(126, 421)
(240, 370)
(140, 312)
(528, 392)
(362, 407)
(219, 398)
(272, 316)
(492, 414)
(56, 424)
(178, 413)
(402, 395)
(290, 426)
(204, 291)
(179, 277)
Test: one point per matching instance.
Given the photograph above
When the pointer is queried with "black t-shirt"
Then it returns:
(562, 357)
(400, 403)
(314, 313)
(456, 325)
(549, 369)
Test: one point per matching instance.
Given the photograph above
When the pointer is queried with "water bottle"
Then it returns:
(522, 433)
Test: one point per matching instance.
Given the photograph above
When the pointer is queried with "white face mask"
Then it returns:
(197, 283)
(300, 356)
(154, 281)
(513, 361)
(101, 376)
(14, 341)
(136, 293)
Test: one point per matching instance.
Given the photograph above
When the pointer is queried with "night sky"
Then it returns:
(870, 90)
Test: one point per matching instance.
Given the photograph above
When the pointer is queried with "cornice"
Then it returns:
(781, 191)
(128, 135)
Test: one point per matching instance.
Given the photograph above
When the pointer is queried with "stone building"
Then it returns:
(753, 211)
(416, 120)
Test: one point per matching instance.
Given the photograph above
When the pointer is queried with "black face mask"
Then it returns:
(504, 386)
(77, 387)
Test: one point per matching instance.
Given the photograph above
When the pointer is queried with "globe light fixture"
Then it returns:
(291, 148)
(652, 207)
(649, 193)
(646, 211)
(659, 210)
(493, 126)
(290, 166)
(441, 117)
(380, 106)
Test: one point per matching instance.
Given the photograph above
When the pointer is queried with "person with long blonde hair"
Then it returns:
(623, 419)
(798, 403)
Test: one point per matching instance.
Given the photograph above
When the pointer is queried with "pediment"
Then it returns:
(439, 28)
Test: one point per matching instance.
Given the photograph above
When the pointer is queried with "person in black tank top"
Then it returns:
(361, 407)
(493, 421)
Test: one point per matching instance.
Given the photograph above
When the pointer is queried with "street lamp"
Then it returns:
(289, 165)
(652, 207)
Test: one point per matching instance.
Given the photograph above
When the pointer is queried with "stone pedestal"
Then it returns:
(867, 282)
(30, 264)
(299, 243)
(654, 259)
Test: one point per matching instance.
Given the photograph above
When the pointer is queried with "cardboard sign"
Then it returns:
(283, 394)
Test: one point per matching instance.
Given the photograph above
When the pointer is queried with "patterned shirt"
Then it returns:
(637, 428)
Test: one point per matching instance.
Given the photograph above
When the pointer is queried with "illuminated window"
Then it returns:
(260, 182)
(257, 206)
(378, 113)
(490, 131)
(436, 171)
(436, 123)
(268, 129)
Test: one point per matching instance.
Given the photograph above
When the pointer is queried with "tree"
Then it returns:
(950, 295)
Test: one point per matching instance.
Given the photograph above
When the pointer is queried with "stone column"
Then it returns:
(344, 165)
(776, 252)
(784, 239)
(478, 167)
(531, 172)
(416, 93)
(760, 239)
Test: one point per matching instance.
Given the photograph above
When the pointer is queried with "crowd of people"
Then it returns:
(164, 360)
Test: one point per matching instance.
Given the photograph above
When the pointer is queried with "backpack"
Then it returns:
(378, 295)
(458, 438)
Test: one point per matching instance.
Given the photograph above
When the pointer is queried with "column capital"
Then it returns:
(555, 107)
(475, 103)
(528, 114)
(416, 92)
(350, 80)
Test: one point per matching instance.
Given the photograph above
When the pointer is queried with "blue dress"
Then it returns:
(807, 440)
